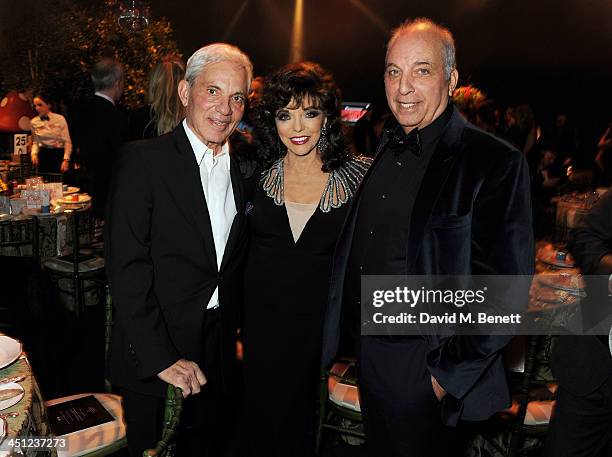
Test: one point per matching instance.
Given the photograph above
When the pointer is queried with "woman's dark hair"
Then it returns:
(46, 100)
(298, 82)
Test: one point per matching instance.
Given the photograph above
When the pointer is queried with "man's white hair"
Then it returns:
(213, 53)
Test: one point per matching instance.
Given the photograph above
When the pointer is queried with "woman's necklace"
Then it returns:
(340, 187)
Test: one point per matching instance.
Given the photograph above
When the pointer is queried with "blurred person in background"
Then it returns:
(51, 143)
(521, 128)
(487, 116)
(582, 418)
(603, 159)
(547, 175)
(164, 109)
(100, 130)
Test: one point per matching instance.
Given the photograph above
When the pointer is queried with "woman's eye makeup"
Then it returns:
(283, 116)
(311, 113)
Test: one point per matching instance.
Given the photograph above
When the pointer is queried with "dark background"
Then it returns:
(555, 55)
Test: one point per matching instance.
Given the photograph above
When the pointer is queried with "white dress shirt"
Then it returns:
(51, 134)
(106, 97)
(217, 185)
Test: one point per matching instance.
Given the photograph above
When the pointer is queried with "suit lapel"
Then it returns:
(437, 172)
(238, 190)
(348, 229)
(186, 185)
(331, 333)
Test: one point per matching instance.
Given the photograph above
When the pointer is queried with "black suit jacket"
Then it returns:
(100, 129)
(581, 364)
(472, 215)
(161, 261)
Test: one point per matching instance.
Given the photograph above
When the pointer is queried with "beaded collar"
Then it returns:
(340, 187)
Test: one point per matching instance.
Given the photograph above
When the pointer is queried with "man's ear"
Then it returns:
(183, 92)
(452, 83)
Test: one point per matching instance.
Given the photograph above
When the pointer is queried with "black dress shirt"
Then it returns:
(383, 224)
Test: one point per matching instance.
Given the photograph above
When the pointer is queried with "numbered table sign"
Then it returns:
(21, 141)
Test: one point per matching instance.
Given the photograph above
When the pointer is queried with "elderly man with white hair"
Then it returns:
(174, 244)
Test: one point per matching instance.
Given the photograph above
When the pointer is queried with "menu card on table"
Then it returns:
(74, 415)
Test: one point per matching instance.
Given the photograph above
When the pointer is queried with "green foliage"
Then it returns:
(50, 46)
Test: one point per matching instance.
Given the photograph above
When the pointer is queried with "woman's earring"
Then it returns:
(322, 144)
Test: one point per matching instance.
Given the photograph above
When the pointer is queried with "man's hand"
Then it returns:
(184, 374)
(34, 159)
(437, 388)
(65, 166)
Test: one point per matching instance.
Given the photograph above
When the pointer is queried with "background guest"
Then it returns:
(546, 179)
(521, 128)
(164, 109)
(603, 159)
(487, 116)
(51, 143)
(100, 129)
(581, 420)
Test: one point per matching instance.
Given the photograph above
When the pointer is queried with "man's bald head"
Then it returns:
(447, 42)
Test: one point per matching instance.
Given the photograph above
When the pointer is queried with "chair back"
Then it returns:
(172, 417)
(16, 235)
(515, 354)
(21, 171)
(80, 228)
(50, 177)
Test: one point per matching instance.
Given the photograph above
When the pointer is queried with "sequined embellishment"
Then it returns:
(340, 188)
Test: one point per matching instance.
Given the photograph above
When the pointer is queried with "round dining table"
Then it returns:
(26, 420)
(54, 230)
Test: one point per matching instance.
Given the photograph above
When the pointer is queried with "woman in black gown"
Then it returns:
(298, 210)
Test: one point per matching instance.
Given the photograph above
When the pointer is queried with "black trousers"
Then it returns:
(205, 425)
(401, 413)
(581, 426)
(50, 160)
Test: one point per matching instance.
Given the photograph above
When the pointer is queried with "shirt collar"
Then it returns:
(425, 136)
(100, 94)
(200, 150)
(434, 130)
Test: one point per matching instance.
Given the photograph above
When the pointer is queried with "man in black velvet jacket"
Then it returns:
(175, 238)
(441, 198)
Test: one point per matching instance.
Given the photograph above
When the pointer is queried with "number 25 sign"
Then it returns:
(21, 140)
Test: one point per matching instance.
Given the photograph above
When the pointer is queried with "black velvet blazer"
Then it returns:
(472, 215)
